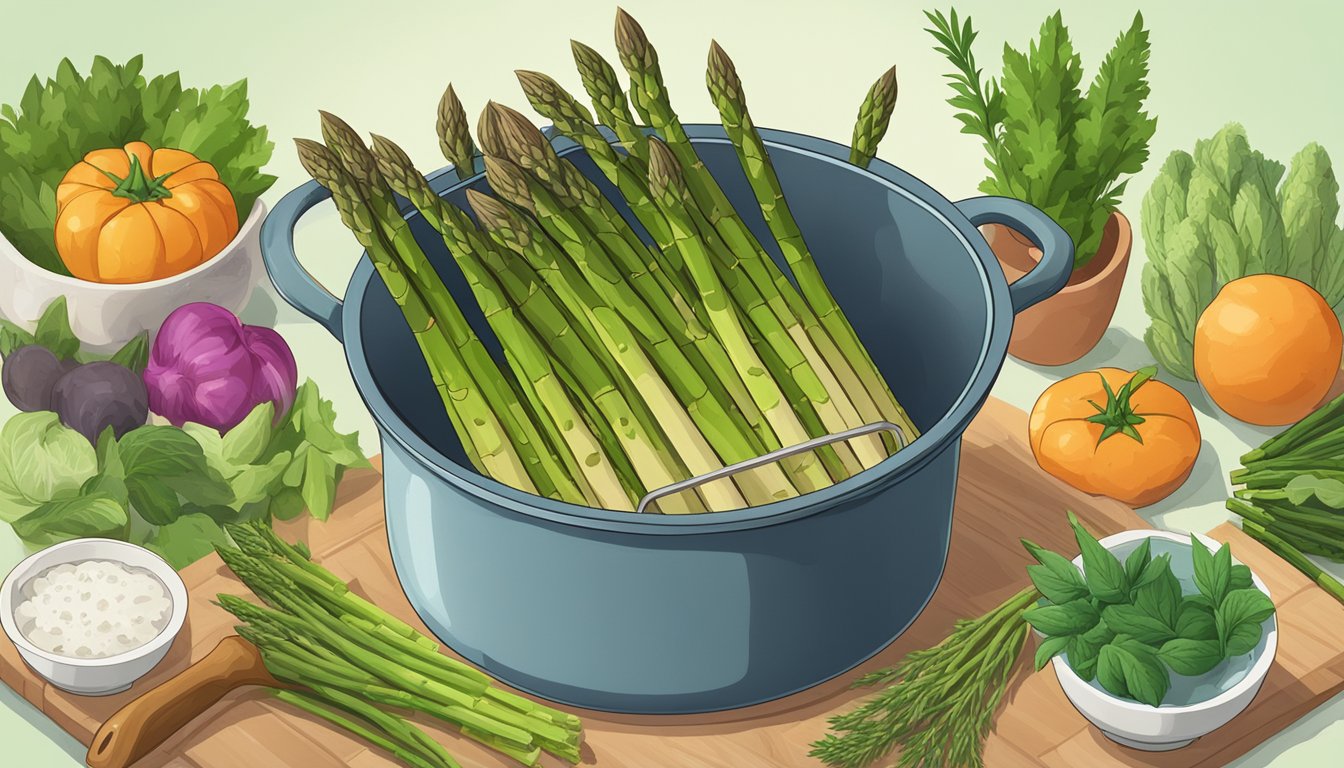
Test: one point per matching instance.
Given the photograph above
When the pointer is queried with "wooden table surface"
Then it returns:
(1001, 496)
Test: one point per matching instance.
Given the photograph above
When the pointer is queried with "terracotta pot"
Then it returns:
(1069, 324)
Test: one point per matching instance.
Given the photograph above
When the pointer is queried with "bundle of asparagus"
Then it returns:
(637, 354)
(358, 667)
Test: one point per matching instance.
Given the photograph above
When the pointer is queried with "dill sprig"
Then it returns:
(939, 703)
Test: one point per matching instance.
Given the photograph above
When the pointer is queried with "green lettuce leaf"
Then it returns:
(41, 461)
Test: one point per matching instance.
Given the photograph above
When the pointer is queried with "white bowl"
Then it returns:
(1158, 729)
(105, 315)
(94, 677)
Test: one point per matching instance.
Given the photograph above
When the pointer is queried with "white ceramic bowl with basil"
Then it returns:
(1193, 706)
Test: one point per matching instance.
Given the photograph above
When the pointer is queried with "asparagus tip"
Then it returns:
(492, 213)
(630, 37)
(664, 173)
(509, 181)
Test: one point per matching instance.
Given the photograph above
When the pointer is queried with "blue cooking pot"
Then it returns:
(689, 613)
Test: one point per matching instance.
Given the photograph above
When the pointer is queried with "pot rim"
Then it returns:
(246, 230)
(1255, 676)
(1124, 244)
(929, 445)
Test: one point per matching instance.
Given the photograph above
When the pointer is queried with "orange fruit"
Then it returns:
(1267, 349)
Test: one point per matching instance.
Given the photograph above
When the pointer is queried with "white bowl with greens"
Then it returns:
(1198, 636)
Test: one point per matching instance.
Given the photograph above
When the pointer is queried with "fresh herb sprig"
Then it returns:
(1049, 143)
(1128, 624)
(939, 703)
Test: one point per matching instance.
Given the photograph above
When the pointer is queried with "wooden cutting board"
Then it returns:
(1001, 496)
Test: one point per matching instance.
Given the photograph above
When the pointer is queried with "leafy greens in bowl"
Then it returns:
(59, 120)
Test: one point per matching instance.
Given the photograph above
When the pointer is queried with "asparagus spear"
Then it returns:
(488, 444)
(669, 190)
(650, 96)
(454, 136)
(302, 631)
(575, 214)
(692, 434)
(396, 744)
(553, 102)
(727, 393)
(587, 457)
(626, 441)
(726, 89)
(874, 117)
(599, 80)
(540, 459)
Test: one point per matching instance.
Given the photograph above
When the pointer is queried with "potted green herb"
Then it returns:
(1065, 152)
(1154, 638)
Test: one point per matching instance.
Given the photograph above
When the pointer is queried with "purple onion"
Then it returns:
(209, 368)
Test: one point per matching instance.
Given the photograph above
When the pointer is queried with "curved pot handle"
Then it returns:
(291, 280)
(1052, 272)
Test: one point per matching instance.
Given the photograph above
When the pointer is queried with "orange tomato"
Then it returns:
(1114, 433)
(135, 214)
(1267, 349)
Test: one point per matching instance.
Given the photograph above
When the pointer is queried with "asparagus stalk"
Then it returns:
(694, 434)
(487, 443)
(306, 641)
(641, 457)
(599, 80)
(399, 745)
(650, 97)
(454, 136)
(874, 117)
(540, 459)
(644, 301)
(726, 89)
(668, 188)
(571, 210)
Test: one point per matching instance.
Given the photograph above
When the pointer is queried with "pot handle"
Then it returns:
(291, 280)
(1049, 275)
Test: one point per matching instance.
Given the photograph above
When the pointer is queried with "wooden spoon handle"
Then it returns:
(145, 723)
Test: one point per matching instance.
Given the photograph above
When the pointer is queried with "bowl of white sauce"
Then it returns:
(92, 616)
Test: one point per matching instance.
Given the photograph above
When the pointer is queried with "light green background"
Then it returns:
(383, 66)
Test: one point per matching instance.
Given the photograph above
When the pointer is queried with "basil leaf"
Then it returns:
(1136, 668)
(1070, 618)
(1161, 598)
(1131, 620)
(1058, 587)
(80, 517)
(1191, 657)
(134, 354)
(1212, 574)
(53, 330)
(1137, 560)
(1242, 639)
(1244, 606)
(1241, 578)
(1104, 574)
(1196, 622)
(1083, 649)
(1154, 570)
(1048, 648)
